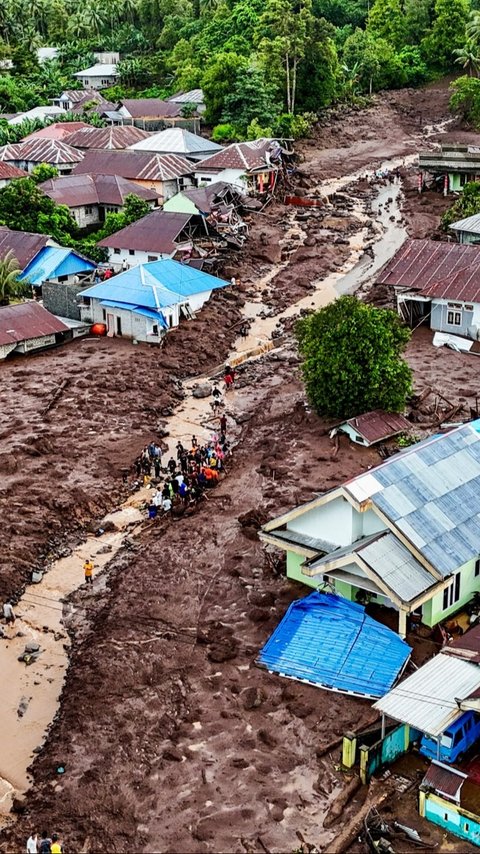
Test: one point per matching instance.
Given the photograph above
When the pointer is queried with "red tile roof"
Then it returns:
(79, 190)
(22, 244)
(151, 108)
(155, 232)
(377, 425)
(114, 137)
(240, 155)
(135, 165)
(59, 130)
(27, 320)
(7, 171)
(443, 270)
(41, 151)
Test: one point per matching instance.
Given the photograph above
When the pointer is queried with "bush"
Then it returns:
(224, 133)
(466, 99)
(294, 127)
(467, 205)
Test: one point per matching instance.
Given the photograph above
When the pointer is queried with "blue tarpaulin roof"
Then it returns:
(330, 642)
(156, 284)
(52, 262)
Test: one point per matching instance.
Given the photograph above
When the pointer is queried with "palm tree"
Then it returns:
(467, 56)
(473, 26)
(10, 283)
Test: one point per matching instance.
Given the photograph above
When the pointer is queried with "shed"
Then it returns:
(28, 326)
(329, 642)
(445, 780)
(467, 230)
(375, 426)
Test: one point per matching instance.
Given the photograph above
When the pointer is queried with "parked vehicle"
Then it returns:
(455, 742)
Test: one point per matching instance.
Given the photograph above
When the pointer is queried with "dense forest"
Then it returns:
(264, 65)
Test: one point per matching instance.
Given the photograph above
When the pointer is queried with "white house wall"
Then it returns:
(5, 349)
(332, 522)
(97, 82)
(138, 256)
(83, 218)
(469, 316)
(234, 177)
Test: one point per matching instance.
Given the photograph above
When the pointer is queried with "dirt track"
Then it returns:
(172, 740)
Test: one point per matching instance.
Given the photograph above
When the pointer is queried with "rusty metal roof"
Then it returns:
(27, 320)
(41, 151)
(155, 232)
(444, 270)
(444, 779)
(22, 244)
(79, 190)
(239, 155)
(151, 108)
(134, 165)
(7, 171)
(115, 137)
(377, 425)
(59, 130)
(466, 646)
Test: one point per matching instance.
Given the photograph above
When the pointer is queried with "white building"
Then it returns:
(98, 76)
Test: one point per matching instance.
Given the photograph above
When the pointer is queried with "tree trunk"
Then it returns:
(294, 83)
(288, 84)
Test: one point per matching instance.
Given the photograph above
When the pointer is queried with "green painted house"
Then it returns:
(452, 166)
(406, 533)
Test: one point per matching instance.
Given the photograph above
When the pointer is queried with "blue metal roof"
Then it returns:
(330, 642)
(52, 262)
(157, 284)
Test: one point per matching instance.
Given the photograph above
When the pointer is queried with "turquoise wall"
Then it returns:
(452, 818)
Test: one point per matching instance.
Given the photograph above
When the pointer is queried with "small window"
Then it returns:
(451, 594)
(88, 210)
(466, 827)
(454, 318)
(155, 329)
(152, 258)
(86, 300)
(457, 738)
(104, 314)
(119, 326)
(131, 251)
(477, 567)
(116, 251)
(445, 816)
(469, 308)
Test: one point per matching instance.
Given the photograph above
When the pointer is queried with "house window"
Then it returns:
(445, 816)
(131, 251)
(155, 329)
(477, 567)
(454, 318)
(451, 594)
(88, 210)
(104, 314)
(86, 300)
(152, 258)
(116, 251)
(466, 827)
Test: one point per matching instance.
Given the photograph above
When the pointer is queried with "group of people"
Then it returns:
(45, 844)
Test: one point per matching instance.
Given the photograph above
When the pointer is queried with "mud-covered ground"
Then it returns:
(172, 739)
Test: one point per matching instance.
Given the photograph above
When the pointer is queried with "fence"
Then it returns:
(374, 756)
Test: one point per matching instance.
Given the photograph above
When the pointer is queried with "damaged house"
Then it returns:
(251, 167)
(155, 236)
(436, 284)
(219, 205)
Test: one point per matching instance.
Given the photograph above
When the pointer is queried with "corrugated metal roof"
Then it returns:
(444, 779)
(27, 320)
(378, 425)
(150, 108)
(155, 232)
(79, 190)
(52, 262)
(155, 285)
(239, 155)
(391, 562)
(193, 96)
(176, 141)
(116, 137)
(41, 151)
(330, 642)
(24, 245)
(313, 543)
(421, 263)
(463, 285)
(470, 224)
(431, 493)
(100, 69)
(466, 646)
(427, 700)
(135, 165)
(59, 130)
(8, 172)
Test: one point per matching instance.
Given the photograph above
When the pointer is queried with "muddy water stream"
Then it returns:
(31, 694)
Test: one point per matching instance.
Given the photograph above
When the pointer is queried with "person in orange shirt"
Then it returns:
(88, 570)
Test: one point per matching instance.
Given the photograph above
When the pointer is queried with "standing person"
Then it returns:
(32, 843)
(172, 466)
(88, 570)
(45, 843)
(56, 846)
(223, 424)
(228, 379)
(156, 466)
(9, 613)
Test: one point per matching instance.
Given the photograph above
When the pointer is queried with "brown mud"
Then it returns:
(171, 739)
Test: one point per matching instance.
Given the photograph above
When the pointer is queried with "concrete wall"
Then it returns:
(98, 82)
(133, 257)
(467, 237)
(62, 298)
(451, 817)
(337, 522)
(85, 216)
(433, 611)
(469, 316)
(29, 166)
(5, 349)
(235, 177)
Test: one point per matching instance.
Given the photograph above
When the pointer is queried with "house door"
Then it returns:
(110, 325)
(119, 326)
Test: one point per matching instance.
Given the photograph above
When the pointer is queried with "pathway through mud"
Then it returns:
(31, 694)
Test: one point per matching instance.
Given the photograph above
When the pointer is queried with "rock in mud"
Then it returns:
(173, 754)
(252, 698)
(202, 390)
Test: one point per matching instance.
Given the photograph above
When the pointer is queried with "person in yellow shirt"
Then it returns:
(56, 846)
(88, 570)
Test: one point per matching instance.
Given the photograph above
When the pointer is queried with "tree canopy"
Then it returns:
(24, 207)
(352, 359)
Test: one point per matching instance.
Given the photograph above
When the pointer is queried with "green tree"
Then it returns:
(418, 18)
(352, 360)
(377, 65)
(218, 81)
(23, 207)
(282, 39)
(10, 284)
(468, 204)
(468, 57)
(465, 99)
(133, 208)
(43, 172)
(251, 98)
(386, 21)
(447, 33)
